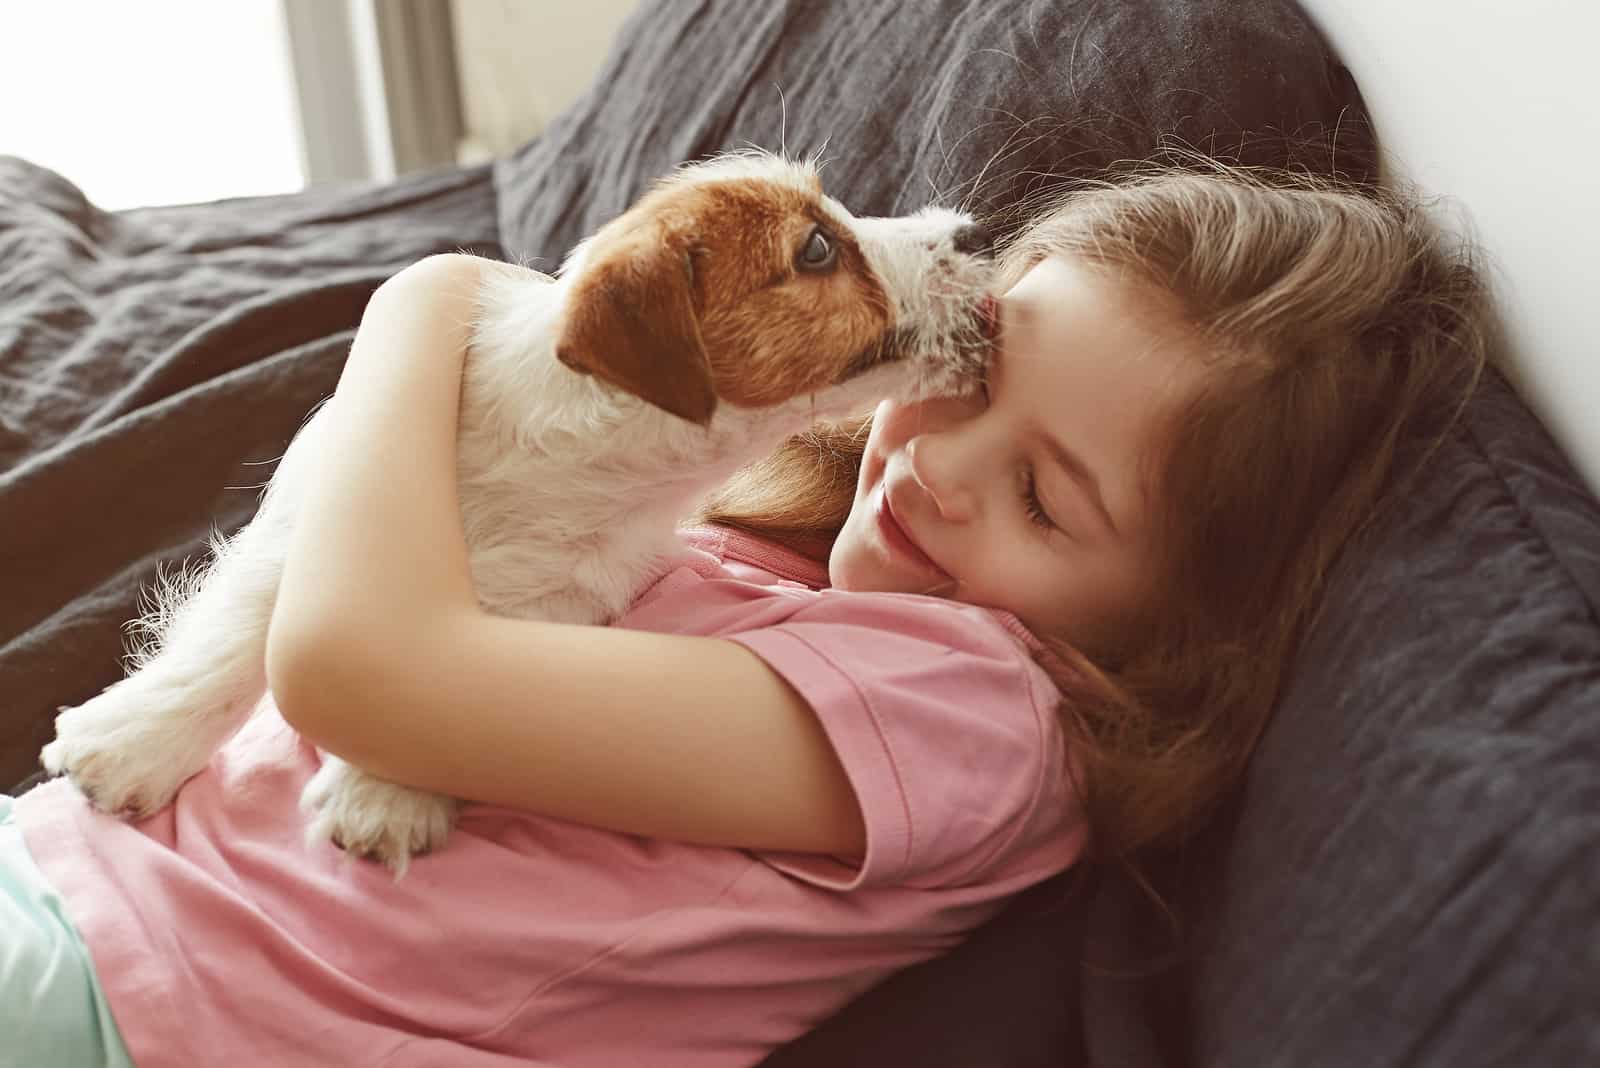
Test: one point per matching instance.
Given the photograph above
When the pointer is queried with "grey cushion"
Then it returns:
(1412, 876)
(948, 100)
(153, 366)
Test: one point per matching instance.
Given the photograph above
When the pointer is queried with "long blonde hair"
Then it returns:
(1339, 330)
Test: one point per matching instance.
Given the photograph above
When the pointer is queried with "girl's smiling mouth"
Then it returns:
(899, 539)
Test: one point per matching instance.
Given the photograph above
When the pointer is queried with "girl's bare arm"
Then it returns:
(379, 653)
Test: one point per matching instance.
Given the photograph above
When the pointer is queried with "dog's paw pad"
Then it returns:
(121, 753)
(373, 819)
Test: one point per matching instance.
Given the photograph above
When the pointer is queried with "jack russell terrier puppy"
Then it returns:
(733, 306)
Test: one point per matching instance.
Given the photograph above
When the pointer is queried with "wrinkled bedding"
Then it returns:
(153, 365)
(1410, 875)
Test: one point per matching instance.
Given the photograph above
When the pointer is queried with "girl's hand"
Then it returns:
(379, 653)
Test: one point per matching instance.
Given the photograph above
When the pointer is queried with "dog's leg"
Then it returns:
(131, 747)
(370, 817)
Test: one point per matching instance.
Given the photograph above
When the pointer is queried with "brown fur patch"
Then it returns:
(764, 330)
(631, 321)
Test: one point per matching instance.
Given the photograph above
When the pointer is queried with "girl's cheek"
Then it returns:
(886, 419)
(872, 463)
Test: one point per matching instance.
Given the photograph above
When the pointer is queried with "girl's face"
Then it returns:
(1032, 495)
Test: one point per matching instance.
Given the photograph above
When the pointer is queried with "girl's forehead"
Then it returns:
(1067, 309)
(1101, 362)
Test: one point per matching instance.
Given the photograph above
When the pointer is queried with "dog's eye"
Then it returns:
(818, 253)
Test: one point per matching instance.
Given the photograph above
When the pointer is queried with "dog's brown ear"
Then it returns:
(630, 321)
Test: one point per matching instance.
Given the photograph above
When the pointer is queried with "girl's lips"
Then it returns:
(899, 539)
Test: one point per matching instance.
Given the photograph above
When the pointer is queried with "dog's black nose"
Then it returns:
(973, 240)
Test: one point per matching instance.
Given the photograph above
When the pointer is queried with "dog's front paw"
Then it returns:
(368, 817)
(125, 750)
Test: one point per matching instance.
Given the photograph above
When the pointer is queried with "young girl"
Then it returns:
(908, 672)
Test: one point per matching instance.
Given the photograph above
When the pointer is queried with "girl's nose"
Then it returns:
(931, 464)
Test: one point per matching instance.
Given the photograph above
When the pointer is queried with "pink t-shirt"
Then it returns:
(220, 938)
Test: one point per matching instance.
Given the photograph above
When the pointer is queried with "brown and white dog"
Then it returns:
(730, 308)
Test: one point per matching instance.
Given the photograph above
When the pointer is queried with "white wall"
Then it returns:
(521, 64)
(1495, 104)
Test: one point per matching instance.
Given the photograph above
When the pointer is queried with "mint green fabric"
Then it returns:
(52, 1011)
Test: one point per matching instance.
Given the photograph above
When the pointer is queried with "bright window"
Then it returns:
(157, 102)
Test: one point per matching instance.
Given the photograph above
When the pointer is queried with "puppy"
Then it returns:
(730, 308)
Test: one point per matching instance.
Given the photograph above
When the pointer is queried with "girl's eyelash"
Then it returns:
(1030, 501)
(1029, 490)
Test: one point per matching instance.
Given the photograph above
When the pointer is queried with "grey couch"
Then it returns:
(1410, 875)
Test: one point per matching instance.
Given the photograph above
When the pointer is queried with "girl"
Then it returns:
(912, 668)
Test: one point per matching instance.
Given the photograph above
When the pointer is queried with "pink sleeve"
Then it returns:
(947, 731)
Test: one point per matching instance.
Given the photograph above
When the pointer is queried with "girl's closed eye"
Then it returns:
(1031, 501)
(1028, 486)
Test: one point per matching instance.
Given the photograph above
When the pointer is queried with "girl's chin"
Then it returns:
(858, 565)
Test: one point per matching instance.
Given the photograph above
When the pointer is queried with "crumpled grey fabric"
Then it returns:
(153, 365)
(981, 102)
(1410, 876)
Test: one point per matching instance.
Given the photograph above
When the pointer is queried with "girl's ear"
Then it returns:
(630, 321)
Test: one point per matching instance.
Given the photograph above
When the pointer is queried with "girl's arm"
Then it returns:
(378, 651)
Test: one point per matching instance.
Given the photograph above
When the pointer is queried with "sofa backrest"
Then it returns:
(1407, 878)
(975, 101)
(1410, 874)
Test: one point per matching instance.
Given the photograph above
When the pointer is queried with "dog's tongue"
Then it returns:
(989, 317)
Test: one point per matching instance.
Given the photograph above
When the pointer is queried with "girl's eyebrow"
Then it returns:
(1068, 460)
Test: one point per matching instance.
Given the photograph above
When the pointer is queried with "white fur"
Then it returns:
(570, 491)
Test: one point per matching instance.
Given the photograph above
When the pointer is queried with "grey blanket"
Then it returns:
(153, 365)
(1409, 877)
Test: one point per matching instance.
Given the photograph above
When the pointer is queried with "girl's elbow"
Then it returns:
(286, 670)
(300, 679)
(328, 682)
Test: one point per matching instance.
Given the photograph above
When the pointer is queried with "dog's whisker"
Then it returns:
(783, 122)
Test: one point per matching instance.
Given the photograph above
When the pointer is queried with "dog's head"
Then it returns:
(738, 281)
